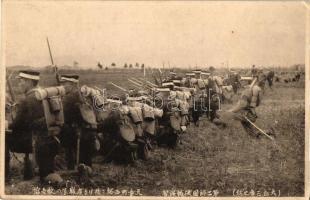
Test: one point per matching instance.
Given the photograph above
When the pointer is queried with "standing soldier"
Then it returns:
(234, 78)
(172, 75)
(215, 94)
(30, 121)
(187, 80)
(198, 82)
(254, 71)
(79, 133)
(244, 111)
(270, 77)
(215, 83)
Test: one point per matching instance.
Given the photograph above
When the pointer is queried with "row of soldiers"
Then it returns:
(208, 83)
(75, 126)
(47, 119)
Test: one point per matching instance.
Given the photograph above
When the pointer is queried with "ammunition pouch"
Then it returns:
(175, 121)
(55, 104)
(158, 113)
(52, 106)
(137, 128)
(201, 84)
(127, 132)
(148, 113)
(136, 114)
(149, 127)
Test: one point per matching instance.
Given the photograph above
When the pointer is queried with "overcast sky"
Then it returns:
(182, 33)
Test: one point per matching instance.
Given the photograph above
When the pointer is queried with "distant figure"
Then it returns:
(99, 65)
(254, 71)
(270, 76)
(234, 80)
(297, 76)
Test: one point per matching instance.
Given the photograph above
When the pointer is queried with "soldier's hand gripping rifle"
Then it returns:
(12, 104)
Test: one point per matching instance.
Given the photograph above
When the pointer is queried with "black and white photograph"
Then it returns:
(154, 99)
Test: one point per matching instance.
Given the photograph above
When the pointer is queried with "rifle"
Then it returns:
(119, 87)
(13, 99)
(57, 75)
(28, 167)
(135, 83)
(259, 129)
(149, 83)
(52, 62)
(138, 81)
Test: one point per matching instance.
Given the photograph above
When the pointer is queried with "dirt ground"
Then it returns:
(222, 161)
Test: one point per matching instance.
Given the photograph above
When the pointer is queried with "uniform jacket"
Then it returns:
(30, 115)
(71, 108)
(250, 98)
(72, 112)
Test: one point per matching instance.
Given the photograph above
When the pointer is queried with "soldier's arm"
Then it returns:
(242, 103)
(21, 120)
(255, 96)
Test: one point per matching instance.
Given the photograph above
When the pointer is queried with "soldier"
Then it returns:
(234, 78)
(270, 76)
(79, 132)
(30, 121)
(198, 82)
(254, 71)
(187, 80)
(215, 83)
(172, 75)
(244, 111)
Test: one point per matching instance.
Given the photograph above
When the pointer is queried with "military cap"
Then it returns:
(197, 71)
(176, 81)
(27, 74)
(205, 73)
(167, 84)
(70, 78)
(173, 73)
(163, 89)
(190, 74)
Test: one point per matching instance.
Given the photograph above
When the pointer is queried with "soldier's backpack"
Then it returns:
(88, 115)
(95, 112)
(52, 106)
(201, 84)
(228, 92)
(126, 128)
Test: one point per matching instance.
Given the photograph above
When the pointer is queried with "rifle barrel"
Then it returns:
(138, 84)
(119, 87)
(49, 50)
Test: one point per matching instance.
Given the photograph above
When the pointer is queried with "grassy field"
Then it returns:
(224, 161)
